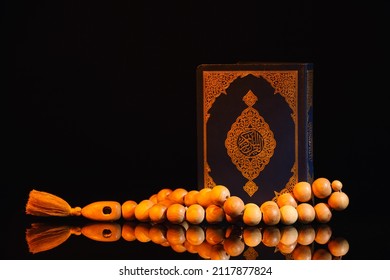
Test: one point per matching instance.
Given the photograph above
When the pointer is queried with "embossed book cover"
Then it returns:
(255, 125)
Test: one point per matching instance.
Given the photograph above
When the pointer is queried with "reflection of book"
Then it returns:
(255, 127)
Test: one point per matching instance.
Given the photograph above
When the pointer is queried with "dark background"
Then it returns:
(99, 102)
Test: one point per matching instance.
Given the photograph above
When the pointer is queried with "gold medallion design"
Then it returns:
(217, 83)
(250, 143)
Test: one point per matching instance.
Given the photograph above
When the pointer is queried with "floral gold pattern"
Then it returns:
(215, 83)
(250, 143)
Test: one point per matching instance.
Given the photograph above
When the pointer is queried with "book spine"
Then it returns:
(309, 91)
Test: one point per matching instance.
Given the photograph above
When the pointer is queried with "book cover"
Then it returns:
(255, 126)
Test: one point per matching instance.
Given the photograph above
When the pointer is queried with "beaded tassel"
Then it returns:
(211, 205)
(45, 204)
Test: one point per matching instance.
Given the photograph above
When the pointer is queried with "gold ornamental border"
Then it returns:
(216, 83)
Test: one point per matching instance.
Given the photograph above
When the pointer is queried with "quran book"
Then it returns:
(255, 126)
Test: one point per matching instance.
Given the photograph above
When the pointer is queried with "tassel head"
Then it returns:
(45, 204)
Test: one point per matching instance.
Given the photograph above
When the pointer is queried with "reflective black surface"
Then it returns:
(214, 242)
(77, 238)
(99, 103)
(222, 241)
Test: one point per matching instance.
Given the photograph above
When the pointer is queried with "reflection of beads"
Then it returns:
(225, 241)
(306, 235)
(209, 241)
(323, 234)
(338, 246)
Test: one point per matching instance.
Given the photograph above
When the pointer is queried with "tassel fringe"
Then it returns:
(45, 204)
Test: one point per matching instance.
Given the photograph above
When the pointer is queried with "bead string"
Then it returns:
(216, 205)
(212, 205)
